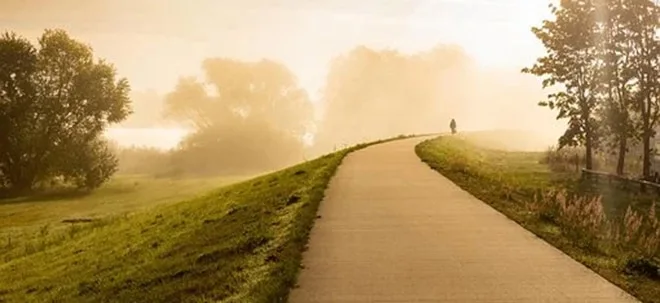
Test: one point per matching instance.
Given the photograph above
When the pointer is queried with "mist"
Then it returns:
(476, 81)
(374, 94)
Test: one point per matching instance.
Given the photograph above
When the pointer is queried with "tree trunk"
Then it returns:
(623, 145)
(588, 159)
(646, 139)
(646, 171)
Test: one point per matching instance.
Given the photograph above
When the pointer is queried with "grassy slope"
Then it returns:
(121, 194)
(23, 220)
(241, 243)
(506, 181)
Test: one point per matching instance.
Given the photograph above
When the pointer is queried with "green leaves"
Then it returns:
(55, 101)
(602, 58)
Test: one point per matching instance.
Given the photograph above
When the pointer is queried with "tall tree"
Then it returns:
(248, 116)
(642, 18)
(572, 62)
(617, 78)
(18, 65)
(56, 100)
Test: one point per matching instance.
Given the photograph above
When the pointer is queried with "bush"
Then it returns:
(95, 165)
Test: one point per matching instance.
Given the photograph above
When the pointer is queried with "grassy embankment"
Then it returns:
(240, 243)
(24, 220)
(609, 229)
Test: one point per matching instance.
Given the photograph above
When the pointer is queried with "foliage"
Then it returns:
(55, 102)
(247, 116)
(644, 22)
(90, 165)
(571, 61)
(617, 80)
(602, 59)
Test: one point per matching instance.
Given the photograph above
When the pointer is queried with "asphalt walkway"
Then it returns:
(393, 230)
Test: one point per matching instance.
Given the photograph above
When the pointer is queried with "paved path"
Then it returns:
(393, 230)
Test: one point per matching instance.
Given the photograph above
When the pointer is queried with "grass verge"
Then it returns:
(517, 185)
(241, 243)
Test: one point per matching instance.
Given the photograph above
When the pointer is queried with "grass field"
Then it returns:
(24, 220)
(584, 220)
(239, 243)
(123, 193)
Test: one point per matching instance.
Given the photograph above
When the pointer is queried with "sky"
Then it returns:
(154, 42)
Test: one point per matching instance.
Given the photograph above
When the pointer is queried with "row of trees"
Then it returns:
(603, 59)
(252, 116)
(55, 102)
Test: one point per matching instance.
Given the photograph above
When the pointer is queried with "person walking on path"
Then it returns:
(452, 125)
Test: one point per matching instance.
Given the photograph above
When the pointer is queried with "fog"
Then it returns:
(155, 43)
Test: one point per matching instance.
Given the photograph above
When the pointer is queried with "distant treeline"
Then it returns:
(252, 116)
(56, 100)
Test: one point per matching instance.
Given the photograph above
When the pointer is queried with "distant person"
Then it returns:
(452, 125)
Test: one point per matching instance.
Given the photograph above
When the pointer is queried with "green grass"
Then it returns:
(240, 243)
(509, 181)
(24, 220)
(123, 193)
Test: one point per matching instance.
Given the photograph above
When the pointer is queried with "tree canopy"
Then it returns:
(55, 102)
(247, 116)
(602, 58)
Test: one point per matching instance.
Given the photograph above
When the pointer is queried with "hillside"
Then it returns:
(25, 220)
(240, 243)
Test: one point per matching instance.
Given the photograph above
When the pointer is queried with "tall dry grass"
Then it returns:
(584, 220)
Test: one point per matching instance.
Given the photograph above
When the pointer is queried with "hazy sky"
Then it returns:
(153, 42)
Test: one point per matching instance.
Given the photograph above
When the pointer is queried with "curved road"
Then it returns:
(393, 230)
